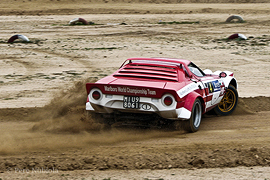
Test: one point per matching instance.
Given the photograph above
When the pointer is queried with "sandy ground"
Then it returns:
(42, 95)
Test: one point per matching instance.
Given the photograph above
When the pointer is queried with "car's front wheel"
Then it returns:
(228, 103)
(193, 124)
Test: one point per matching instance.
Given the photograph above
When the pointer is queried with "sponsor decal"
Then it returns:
(209, 86)
(146, 106)
(213, 86)
(110, 89)
(128, 90)
(187, 89)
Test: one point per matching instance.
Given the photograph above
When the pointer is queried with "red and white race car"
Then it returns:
(161, 90)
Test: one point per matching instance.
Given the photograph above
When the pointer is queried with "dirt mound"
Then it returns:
(257, 104)
(207, 159)
(247, 105)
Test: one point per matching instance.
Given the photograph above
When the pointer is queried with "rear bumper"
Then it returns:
(173, 114)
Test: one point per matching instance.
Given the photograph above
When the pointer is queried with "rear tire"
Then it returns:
(193, 124)
(228, 103)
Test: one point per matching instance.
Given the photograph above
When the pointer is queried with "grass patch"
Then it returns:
(103, 75)
(182, 22)
(102, 48)
(49, 78)
(227, 40)
(8, 98)
(21, 41)
(80, 24)
(18, 41)
(232, 22)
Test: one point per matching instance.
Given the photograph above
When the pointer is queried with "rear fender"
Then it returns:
(190, 99)
(230, 80)
(234, 83)
(89, 86)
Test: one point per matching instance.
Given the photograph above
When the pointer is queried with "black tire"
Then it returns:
(193, 124)
(228, 103)
(239, 18)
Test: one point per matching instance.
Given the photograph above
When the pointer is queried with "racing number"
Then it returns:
(210, 86)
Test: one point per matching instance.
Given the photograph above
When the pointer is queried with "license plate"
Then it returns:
(131, 102)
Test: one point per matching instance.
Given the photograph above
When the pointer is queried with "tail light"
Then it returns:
(96, 95)
(168, 101)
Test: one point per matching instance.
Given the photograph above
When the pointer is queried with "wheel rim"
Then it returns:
(228, 101)
(198, 115)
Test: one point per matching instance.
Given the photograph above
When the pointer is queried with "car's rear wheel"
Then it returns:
(193, 124)
(228, 103)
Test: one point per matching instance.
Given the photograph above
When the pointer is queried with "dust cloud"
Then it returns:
(62, 124)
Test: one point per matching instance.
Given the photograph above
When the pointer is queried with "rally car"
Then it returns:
(161, 90)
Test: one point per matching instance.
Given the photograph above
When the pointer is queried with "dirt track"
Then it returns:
(65, 143)
(42, 92)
